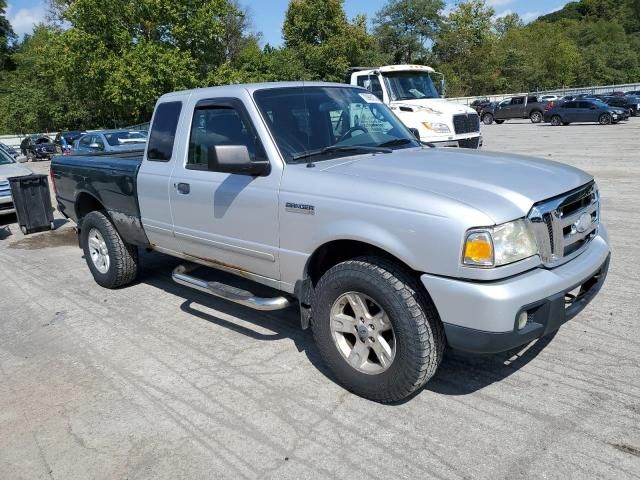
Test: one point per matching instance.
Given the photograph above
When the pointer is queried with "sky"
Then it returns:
(267, 15)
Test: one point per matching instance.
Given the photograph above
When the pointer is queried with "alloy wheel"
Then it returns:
(362, 332)
(98, 251)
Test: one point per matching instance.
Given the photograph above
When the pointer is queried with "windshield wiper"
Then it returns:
(338, 149)
(396, 142)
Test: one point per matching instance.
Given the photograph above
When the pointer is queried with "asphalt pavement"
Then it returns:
(156, 381)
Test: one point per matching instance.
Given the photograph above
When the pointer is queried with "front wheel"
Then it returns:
(112, 262)
(535, 117)
(377, 329)
(487, 119)
(605, 119)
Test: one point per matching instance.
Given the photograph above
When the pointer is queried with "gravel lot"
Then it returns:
(158, 381)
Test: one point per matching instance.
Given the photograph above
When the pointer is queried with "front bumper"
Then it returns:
(471, 142)
(480, 317)
(6, 205)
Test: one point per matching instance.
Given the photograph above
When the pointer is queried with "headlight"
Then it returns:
(436, 127)
(500, 245)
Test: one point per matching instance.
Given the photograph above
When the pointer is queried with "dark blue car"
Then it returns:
(580, 110)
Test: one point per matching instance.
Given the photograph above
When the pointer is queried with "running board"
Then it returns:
(227, 292)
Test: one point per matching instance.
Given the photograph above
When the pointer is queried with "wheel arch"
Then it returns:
(329, 254)
(333, 252)
(86, 203)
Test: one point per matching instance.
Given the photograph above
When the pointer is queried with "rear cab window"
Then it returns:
(163, 131)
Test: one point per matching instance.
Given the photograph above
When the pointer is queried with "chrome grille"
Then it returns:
(564, 225)
(5, 190)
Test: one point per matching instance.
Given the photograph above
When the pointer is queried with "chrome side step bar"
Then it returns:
(227, 292)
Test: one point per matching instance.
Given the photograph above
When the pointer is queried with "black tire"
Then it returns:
(556, 120)
(487, 119)
(419, 334)
(605, 119)
(499, 122)
(536, 116)
(123, 266)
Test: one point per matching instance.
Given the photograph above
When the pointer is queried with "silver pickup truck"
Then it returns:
(391, 249)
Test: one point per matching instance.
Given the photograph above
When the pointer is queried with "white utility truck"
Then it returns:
(410, 92)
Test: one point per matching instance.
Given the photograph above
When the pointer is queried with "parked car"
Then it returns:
(64, 140)
(633, 92)
(582, 111)
(9, 167)
(9, 150)
(479, 104)
(37, 147)
(628, 102)
(549, 98)
(226, 182)
(111, 141)
(515, 107)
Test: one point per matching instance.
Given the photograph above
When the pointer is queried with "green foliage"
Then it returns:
(467, 46)
(318, 34)
(403, 28)
(6, 38)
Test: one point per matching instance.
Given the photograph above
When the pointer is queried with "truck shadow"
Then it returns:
(459, 374)
(462, 374)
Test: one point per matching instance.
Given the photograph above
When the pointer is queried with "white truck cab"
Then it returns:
(410, 92)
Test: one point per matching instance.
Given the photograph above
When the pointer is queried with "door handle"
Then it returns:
(183, 188)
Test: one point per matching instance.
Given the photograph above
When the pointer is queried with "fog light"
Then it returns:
(522, 320)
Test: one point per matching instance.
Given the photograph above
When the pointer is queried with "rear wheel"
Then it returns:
(377, 329)
(556, 121)
(605, 119)
(487, 119)
(535, 117)
(112, 262)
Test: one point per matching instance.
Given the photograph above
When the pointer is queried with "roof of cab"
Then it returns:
(251, 87)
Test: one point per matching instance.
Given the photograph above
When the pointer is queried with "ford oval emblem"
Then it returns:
(583, 222)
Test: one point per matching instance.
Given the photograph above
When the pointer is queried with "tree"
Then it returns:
(506, 23)
(466, 44)
(404, 27)
(537, 57)
(319, 35)
(108, 66)
(7, 37)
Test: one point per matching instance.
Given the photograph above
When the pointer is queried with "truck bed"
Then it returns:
(111, 179)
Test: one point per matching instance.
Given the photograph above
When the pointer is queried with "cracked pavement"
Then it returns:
(158, 381)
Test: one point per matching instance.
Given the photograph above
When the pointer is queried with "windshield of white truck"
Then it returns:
(409, 85)
(326, 122)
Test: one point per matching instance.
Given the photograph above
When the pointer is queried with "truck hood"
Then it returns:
(434, 106)
(13, 170)
(502, 186)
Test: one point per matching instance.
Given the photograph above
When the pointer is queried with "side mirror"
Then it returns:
(415, 132)
(236, 159)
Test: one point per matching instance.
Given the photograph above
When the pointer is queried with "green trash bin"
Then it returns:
(32, 202)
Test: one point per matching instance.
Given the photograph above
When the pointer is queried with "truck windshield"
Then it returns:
(410, 85)
(326, 122)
